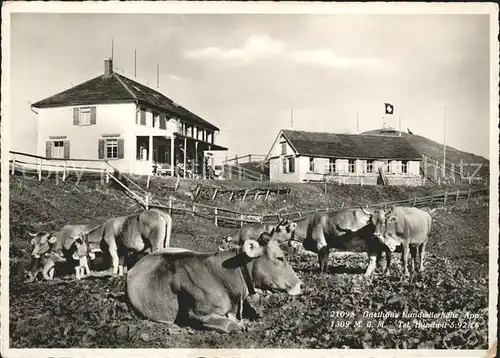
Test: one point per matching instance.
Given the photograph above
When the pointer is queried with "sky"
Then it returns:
(244, 73)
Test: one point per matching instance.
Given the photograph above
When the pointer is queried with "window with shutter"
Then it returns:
(369, 166)
(111, 150)
(57, 149)
(351, 166)
(404, 167)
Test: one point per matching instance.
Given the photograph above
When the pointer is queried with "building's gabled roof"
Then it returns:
(117, 88)
(350, 146)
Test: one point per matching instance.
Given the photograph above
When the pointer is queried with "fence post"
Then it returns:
(170, 206)
(39, 169)
(325, 189)
(261, 218)
(215, 214)
(385, 206)
(456, 198)
(445, 197)
(64, 171)
(245, 195)
(177, 183)
(194, 209)
(468, 194)
(147, 182)
(13, 164)
(239, 172)
(241, 220)
(415, 201)
(146, 200)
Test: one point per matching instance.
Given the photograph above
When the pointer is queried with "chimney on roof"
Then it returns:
(108, 67)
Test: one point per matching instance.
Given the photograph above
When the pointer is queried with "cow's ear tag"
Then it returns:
(52, 239)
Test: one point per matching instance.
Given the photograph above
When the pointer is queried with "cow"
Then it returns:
(138, 233)
(346, 230)
(253, 232)
(69, 244)
(208, 290)
(410, 228)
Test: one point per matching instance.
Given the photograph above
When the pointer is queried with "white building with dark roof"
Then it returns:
(132, 126)
(298, 156)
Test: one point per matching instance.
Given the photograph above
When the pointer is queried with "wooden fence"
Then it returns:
(237, 172)
(228, 217)
(212, 192)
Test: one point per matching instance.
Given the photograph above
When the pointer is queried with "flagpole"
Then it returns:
(357, 121)
(444, 144)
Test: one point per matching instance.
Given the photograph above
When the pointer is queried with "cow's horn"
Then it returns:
(366, 212)
(31, 234)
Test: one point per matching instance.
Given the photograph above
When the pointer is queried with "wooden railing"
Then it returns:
(237, 172)
(245, 158)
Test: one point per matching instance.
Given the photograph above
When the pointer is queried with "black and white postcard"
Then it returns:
(249, 179)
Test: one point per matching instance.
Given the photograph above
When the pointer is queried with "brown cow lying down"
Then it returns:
(208, 289)
(149, 229)
(69, 244)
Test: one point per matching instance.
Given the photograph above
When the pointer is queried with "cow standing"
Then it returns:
(72, 243)
(150, 229)
(409, 227)
(346, 230)
(208, 289)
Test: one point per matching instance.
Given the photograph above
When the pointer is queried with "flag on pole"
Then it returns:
(389, 108)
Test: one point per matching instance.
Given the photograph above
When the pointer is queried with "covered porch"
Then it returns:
(176, 155)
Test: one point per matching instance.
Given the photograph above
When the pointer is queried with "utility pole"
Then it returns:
(400, 126)
(112, 49)
(157, 75)
(444, 144)
(291, 117)
(135, 63)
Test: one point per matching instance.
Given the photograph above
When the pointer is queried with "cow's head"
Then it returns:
(284, 231)
(268, 266)
(36, 267)
(385, 229)
(41, 243)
